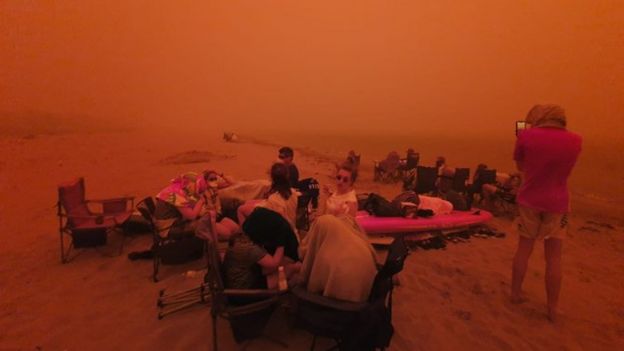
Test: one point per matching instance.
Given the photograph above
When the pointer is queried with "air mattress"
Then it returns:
(400, 225)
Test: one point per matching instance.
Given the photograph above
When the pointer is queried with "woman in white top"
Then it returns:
(343, 201)
(282, 198)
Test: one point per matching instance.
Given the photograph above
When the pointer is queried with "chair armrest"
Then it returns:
(235, 311)
(303, 294)
(115, 199)
(115, 205)
(82, 217)
(252, 292)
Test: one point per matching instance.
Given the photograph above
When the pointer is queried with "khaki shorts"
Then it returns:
(536, 224)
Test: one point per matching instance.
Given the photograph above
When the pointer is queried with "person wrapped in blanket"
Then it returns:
(179, 206)
(178, 212)
(208, 186)
(253, 257)
(330, 270)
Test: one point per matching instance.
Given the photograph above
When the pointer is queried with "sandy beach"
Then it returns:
(456, 298)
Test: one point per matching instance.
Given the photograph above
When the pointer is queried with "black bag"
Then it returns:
(377, 205)
(89, 237)
(182, 250)
(310, 191)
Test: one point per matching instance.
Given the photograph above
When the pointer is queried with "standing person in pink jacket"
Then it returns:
(545, 154)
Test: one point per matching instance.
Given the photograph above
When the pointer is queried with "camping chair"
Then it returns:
(247, 320)
(460, 179)
(504, 199)
(388, 170)
(170, 249)
(352, 325)
(488, 176)
(85, 226)
(426, 178)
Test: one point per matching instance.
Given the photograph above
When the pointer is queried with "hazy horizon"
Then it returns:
(368, 66)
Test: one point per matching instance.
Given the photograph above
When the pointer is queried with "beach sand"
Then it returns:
(451, 299)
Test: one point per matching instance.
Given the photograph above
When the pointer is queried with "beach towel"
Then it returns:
(339, 262)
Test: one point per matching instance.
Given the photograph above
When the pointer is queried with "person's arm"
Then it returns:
(295, 176)
(353, 207)
(227, 181)
(269, 263)
(192, 213)
(519, 154)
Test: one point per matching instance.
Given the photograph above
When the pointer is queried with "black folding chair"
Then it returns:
(354, 326)
(426, 178)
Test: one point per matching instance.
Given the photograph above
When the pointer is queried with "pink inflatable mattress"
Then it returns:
(390, 225)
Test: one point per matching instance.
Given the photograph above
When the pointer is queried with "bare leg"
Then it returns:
(552, 251)
(243, 212)
(520, 264)
(224, 233)
(231, 225)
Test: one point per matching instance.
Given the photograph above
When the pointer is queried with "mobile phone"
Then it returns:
(521, 125)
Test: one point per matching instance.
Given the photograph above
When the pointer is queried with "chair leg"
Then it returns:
(123, 241)
(156, 267)
(214, 333)
(62, 249)
(65, 254)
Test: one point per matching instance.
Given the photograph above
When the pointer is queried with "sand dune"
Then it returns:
(449, 299)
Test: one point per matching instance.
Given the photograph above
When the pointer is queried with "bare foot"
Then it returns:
(553, 316)
(518, 299)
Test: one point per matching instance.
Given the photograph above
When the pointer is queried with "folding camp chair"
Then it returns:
(85, 226)
(354, 326)
(426, 178)
(167, 248)
(460, 179)
(388, 170)
(248, 318)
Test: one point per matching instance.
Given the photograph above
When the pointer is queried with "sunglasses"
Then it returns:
(281, 156)
(343, 179)
(212, 179)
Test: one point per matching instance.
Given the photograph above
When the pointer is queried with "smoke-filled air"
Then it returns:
(130, 94)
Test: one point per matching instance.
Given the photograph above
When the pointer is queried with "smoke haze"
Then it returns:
(370, 66)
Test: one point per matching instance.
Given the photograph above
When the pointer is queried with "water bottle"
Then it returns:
(282, 284)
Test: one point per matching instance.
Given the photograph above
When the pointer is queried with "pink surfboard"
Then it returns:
(400, 225)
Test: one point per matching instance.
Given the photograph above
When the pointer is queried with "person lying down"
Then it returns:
(407, 204)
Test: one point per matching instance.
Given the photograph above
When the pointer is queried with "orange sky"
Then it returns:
(395, 65)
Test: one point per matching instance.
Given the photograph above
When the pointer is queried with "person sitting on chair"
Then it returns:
(343, 200)
(446, 192)
(282, 198)
(209, 186)
(411, 159)
(331, 270)
(179, 206)
(477, 184)
(389, 168)
(267, 243)
(178, 212)
(505, 189)
(286, 156)
(440, 164)
(353, 159)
